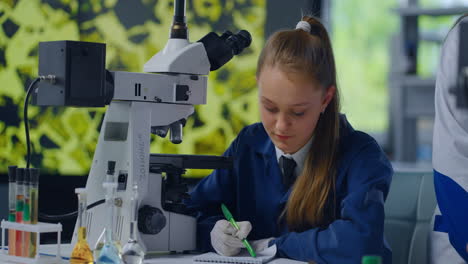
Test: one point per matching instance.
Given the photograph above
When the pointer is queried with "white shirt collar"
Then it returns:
(299, 157)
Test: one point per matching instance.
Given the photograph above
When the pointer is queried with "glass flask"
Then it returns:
(99, 244)
(81, 254)
(133, 252)
(110, 253)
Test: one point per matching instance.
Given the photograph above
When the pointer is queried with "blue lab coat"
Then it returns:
(253, 191)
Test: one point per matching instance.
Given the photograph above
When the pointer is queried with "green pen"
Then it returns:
(231, 220)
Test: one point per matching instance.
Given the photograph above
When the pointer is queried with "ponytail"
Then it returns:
(309, 53)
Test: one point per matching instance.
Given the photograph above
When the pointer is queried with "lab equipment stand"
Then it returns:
(411, 95)
(37, 228)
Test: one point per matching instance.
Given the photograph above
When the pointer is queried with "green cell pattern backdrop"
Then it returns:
(64, 138)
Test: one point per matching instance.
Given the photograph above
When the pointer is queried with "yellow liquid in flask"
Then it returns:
(82, 254)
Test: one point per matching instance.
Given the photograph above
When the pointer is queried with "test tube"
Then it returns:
(12, 208)
(19, 209)
(33, 196)
(26, 213)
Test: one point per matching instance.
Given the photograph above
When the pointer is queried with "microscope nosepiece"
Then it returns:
(176, 131)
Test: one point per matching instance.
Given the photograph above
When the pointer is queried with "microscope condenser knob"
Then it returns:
(151, 220)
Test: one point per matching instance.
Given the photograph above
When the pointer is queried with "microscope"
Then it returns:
(157, 102)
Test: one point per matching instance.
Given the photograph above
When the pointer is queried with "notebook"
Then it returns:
(243, 258)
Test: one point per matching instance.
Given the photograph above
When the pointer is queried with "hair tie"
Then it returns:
(304, 25)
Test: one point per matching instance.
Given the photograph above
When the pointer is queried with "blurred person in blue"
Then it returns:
(448, 241)
(303, 179)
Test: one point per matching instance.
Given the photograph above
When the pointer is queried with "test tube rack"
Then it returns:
(36, 228)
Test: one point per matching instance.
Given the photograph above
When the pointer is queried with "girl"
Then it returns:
(303, 179)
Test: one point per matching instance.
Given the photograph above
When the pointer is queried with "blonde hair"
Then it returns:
(312, 200)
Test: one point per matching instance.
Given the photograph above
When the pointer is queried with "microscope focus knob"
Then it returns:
(160, 130)
(151, 220)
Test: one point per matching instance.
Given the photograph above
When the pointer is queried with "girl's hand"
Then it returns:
(227, 240)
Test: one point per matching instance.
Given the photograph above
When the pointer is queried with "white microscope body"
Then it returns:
(143, 101)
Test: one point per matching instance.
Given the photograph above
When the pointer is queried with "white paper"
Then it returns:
(243, 258)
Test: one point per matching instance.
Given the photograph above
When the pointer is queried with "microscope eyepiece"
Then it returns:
(238, 42)
(221, 49)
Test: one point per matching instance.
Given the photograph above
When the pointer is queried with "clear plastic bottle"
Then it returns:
(133, 252)
(371, 259)
(81, 254)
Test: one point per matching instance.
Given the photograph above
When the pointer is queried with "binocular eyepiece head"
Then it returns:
(221, 49)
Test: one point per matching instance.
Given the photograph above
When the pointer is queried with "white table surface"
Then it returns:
(156, 258)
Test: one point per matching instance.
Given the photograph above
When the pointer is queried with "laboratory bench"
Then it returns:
(159, 258)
